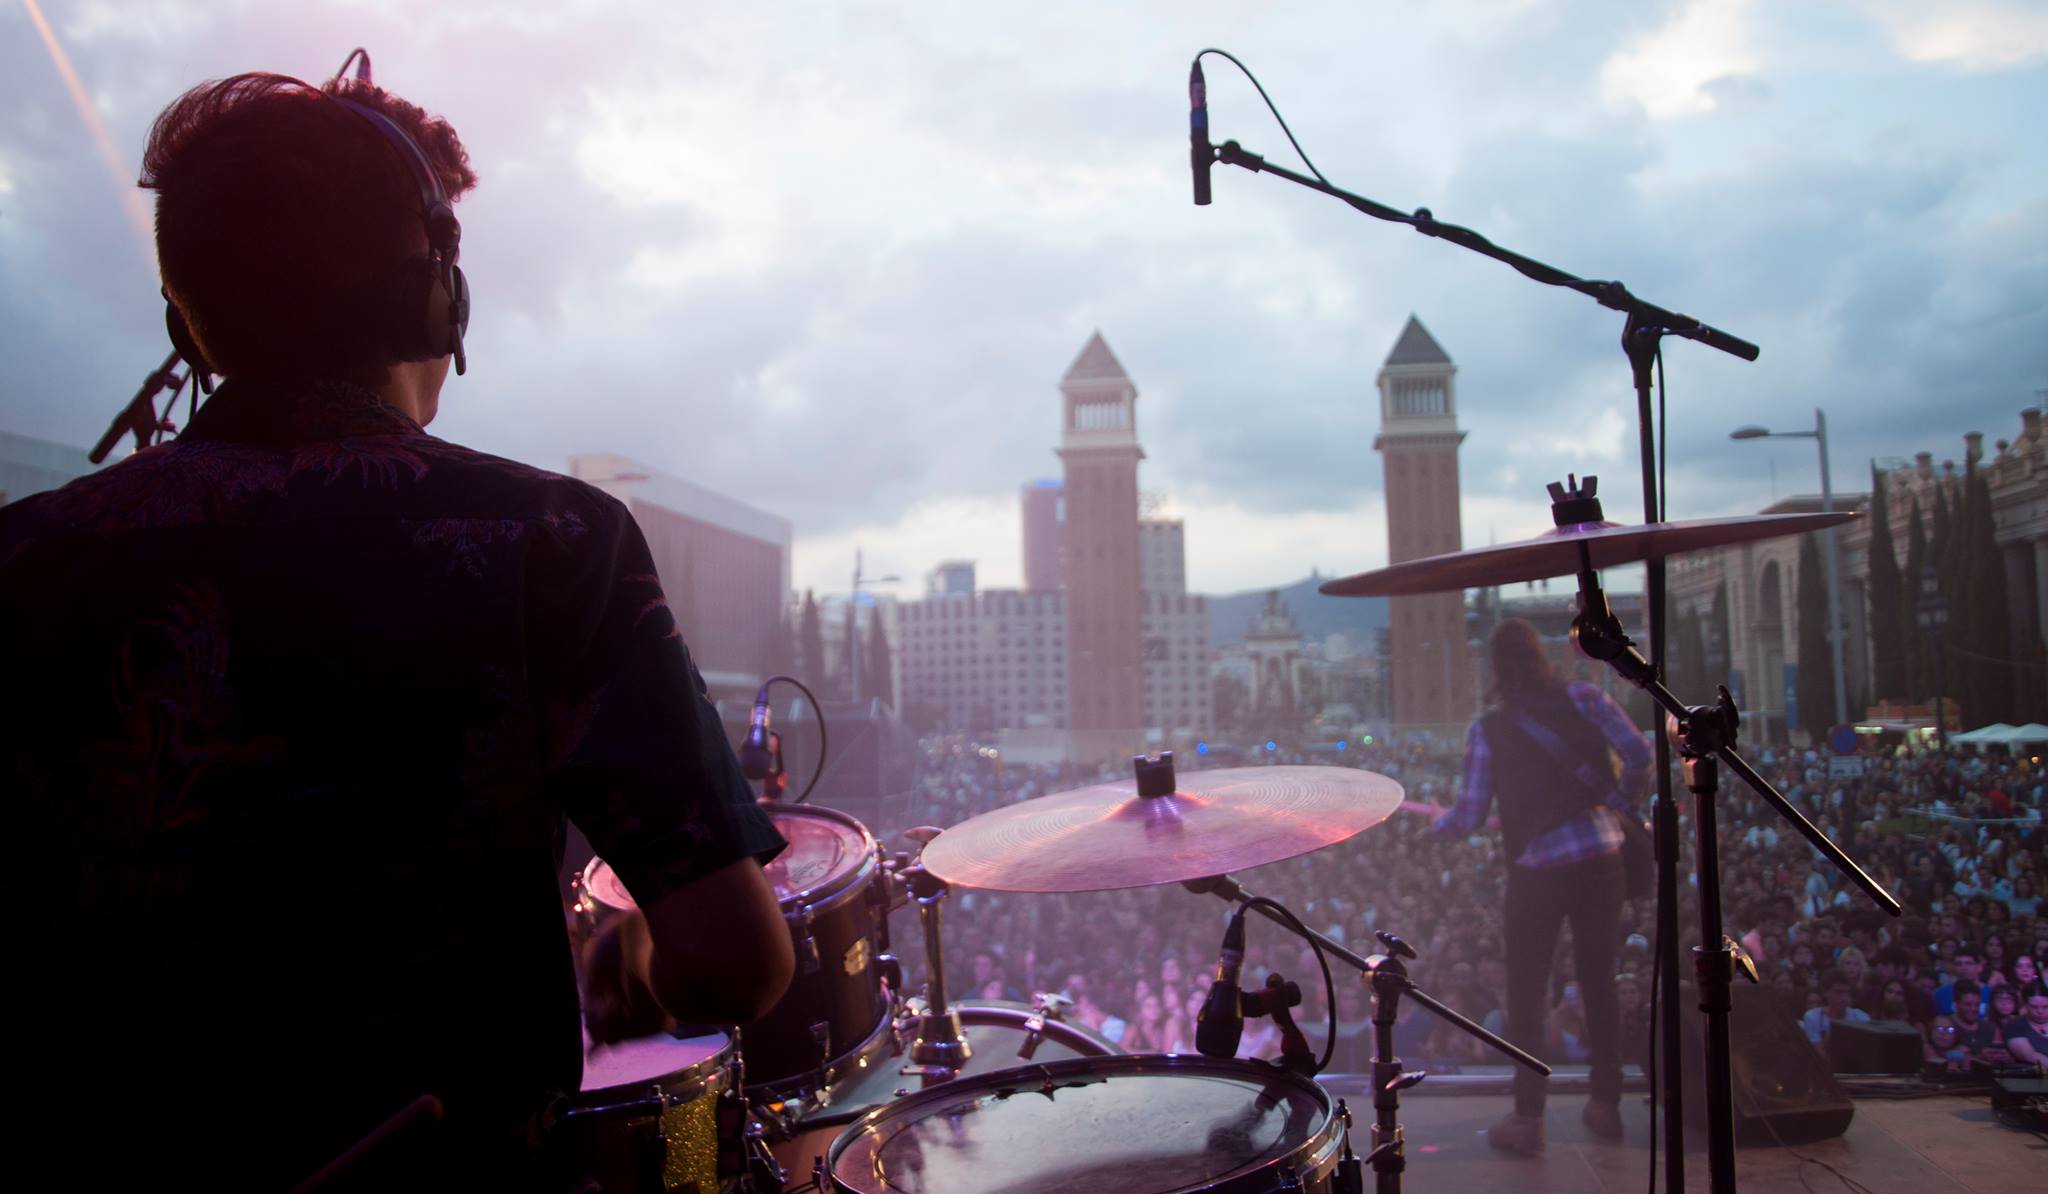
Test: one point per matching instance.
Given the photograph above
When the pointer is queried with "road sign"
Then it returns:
(1845, 767)
(1842, 740)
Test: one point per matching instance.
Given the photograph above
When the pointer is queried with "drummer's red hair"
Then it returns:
(283, 218)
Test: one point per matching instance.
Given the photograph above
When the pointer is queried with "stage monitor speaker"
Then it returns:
(1783, 1090)
(1879, 1047)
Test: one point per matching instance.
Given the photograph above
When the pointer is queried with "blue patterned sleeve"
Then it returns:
(1476, 796)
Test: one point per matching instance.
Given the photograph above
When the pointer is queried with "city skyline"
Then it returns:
(683, 249)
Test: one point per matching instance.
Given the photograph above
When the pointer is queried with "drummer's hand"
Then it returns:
(618, 1003)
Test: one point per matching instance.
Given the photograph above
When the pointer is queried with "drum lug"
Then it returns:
(821, 1176)
(806, 945)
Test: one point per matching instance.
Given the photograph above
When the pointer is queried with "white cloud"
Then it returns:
(1976, 35)
(1673, 70)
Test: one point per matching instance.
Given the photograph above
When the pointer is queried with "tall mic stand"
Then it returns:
(1706, 737)
(1641, 335)
(1388, 977)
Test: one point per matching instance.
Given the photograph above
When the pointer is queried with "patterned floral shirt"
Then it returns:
(297, 706)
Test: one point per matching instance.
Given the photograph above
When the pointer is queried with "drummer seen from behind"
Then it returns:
(303, 698)
(1540, 751)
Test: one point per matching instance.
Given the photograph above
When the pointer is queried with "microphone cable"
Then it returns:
(1269, 107)
(1329, 984)
(818, 715)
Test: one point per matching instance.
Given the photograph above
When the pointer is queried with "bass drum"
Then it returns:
(1137, 1124)
(999, 1033)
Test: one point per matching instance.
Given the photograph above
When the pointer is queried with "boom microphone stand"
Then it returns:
(1641, 336)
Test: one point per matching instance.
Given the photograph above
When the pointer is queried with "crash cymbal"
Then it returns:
(1108, 836)
(1556, 553)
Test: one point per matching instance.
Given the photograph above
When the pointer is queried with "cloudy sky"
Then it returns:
(834, 257)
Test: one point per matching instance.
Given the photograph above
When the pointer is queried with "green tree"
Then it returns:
(778, 647)
(849, 654)
(1919, 648)
(1693, 674)
(1816, 662)
(1887, 649)
(1988, 642)
(878, 672)
(1720, 639)
(810, 641)
(1949, 555)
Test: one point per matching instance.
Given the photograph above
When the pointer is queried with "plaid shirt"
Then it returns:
(1589, 834)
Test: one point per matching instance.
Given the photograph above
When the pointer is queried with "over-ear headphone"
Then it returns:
(432, 311)
(436, 289)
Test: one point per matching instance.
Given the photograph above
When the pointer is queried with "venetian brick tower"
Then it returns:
(1418, 441)
(1104, 599)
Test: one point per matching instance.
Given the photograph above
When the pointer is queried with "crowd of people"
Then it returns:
(1957, 836)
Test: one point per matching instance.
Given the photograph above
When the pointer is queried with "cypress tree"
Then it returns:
(1693, 675)
(1990, 632)
(1719, 639)
(877, 670)
(811, 643)
(849, 649)
(1816, 685)
(1887, 649)
(1950, 552)
(1919, 651)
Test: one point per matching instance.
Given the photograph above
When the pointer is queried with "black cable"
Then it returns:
(1270, 108)
(818, 711)
(1329, 983)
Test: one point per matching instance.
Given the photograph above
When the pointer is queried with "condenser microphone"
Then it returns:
(1200, 155)
(756, 759)
(1220, 1025)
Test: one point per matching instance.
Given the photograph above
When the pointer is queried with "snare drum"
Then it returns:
(998, 1033)
(1141, 1124)
(835, 899)
(648, 1116)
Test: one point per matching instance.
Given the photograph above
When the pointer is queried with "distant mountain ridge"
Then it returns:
(1361, 618)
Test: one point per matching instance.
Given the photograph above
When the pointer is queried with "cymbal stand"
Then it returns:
(1388, 977)
(941, 1047)
(1705, 735)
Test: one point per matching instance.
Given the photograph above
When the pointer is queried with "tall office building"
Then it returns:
(1044, 504)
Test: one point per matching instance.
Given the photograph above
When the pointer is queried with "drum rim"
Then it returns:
(880, 1039)
(824, 897)
(829, 895)
(701, 1077)
(1316, 1151)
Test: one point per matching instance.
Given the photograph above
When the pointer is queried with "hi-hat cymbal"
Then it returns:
(1556, 553)
(1107, 836)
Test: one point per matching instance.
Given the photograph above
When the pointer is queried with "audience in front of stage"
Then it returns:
(1922, 825)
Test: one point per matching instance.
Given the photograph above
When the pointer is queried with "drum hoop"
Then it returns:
(1005, 1012)
(704, 1076)
(881, 1039)
(830, 894)
(1320, 1145)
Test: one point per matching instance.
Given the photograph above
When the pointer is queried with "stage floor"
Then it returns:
(1937, 1145)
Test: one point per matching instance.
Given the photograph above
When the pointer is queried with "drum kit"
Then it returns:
(851, 1085)
(818, 1094)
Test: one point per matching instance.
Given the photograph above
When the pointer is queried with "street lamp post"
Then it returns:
(1932, 615)
(853, 647)
(1819, 434)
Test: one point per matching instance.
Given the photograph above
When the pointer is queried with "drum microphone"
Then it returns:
(1220, 1026)
(1200, 154)
(756, 759)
